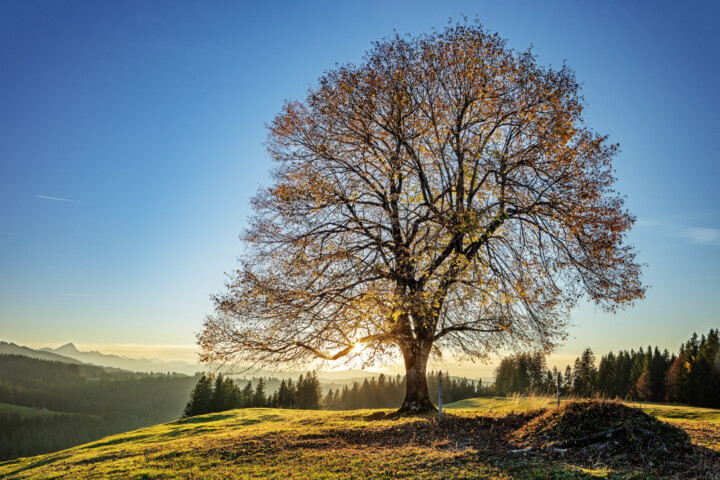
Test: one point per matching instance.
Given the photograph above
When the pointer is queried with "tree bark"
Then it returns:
(417, 397)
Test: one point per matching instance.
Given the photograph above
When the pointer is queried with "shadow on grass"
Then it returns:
(204, 419)
(226, 416)
(35, 464)
(469, 441)
(115, 455)
(389, 415)
(477, 432)
(116, 441)
(186, 432)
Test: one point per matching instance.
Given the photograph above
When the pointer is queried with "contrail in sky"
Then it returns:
(58, 199)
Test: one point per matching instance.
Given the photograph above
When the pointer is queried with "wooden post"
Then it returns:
(558, 390)
(440, 397)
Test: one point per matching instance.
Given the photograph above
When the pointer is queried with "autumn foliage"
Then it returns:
(441, 196)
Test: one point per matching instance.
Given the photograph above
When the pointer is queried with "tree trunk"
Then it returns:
(417, 398)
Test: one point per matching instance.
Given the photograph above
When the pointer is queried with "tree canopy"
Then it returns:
(441, 196)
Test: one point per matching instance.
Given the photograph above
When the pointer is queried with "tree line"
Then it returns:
(388, 392)
(692, 376)
(221, 393)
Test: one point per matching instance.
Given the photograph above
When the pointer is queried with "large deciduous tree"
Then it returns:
(441, 196)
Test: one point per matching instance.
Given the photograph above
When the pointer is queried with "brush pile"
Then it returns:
(603, 430)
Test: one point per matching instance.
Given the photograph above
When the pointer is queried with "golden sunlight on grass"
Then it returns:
(470, 442)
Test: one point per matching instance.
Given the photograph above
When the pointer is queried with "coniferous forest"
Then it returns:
(221, 393)
(691, 377)
(80, 403)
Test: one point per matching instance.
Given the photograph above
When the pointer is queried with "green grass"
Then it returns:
(284, 444)
(666, 411)
(7, 409)
(504, 404)
(663, 411)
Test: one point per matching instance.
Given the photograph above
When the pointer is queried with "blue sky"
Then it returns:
(150, 117)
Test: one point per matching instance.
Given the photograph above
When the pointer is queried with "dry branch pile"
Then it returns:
(608, 430)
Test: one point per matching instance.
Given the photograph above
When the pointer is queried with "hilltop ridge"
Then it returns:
(125, 363)
(10, 348)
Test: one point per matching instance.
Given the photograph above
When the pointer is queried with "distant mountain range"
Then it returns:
(12, 349)
(115, 361)
(68, 353)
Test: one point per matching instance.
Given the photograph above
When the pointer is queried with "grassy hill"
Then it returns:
(469, 442)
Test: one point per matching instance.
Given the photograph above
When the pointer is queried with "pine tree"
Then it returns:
(309, 392)
(567, 380)
(221, 397)
(584, 374)
(200, 401)
(248, 395)
(707, 367)
(384, 392)
(344, 403)
(354, 402)
(259, 399)
(292, 394)
(657, 372)
(329, 401)
(235, 396)
(536, 370)
(606, 376)
(283, 395)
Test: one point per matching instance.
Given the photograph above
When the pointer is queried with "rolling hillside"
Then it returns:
(272, 443)
(46, 406)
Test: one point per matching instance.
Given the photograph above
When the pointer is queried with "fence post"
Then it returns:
(440, 398)
(558, 390)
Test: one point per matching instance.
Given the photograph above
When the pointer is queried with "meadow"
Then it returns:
(9, 409)
(470, 441)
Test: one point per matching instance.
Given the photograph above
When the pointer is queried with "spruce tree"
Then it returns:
(309, 392)
(200, 401)
(584, 374)
(221, 394)
(606, 375)
(568, 380)
(657, 372)
(283, 397)
(248, 395)
(707, 367)
(259, 399)
(292, 394)
(235, 396)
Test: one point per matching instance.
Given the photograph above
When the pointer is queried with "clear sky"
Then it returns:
(131, 139)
